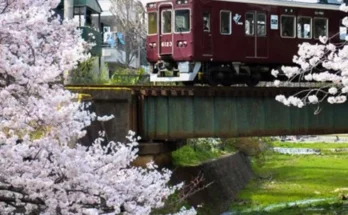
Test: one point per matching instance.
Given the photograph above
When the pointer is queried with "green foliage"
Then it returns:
(203, 149)
(185, 156)
(104, 75)
(252, 146)
(198, 151)
(86, 73)
(83, 74)
(127, 76)
(255, 147)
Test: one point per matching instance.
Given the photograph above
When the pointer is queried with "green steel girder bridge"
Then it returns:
(171, 112)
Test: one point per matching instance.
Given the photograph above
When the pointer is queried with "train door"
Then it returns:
(165, 29)
(207, 39)
(256, 34)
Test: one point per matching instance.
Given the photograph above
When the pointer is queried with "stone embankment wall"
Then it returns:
(229, 175)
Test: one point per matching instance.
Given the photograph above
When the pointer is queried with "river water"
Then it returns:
(296, 151)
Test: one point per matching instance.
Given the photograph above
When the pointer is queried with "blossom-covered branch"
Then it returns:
(325, 63)
(72, 180)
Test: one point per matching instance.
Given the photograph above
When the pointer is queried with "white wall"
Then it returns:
(113, 55)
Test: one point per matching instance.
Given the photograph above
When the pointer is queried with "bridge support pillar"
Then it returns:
(157, 151)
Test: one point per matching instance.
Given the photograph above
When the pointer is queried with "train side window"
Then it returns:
(225, 22)
(304, 27)
(152, 23)
(166, 21)
(287, 27)
(261, 24)
(206, 21)
(320, 27)
(249, 24)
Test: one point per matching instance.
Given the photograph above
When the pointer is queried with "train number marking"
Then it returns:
(166, 44)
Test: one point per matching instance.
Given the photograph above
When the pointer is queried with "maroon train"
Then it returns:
(233, 41)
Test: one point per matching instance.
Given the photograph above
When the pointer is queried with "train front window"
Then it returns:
(182, 20)
(304, 27)
(166, 21)
(152, 23)
(320, 27)
(287, 27)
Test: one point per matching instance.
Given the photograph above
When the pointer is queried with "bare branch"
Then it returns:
(8, 200)
(129, 19)
(7, 4)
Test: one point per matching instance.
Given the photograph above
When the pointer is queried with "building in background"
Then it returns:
(83, 11)
(118, 50)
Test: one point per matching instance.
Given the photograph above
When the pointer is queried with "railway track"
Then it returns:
(262, 90)
(163, 84)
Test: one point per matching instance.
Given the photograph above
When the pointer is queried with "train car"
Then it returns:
(233, 41)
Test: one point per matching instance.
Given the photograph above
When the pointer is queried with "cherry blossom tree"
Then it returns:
(42, 169)
(325, 63)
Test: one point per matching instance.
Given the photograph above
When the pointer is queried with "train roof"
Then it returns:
(287, 3)
(313, 4)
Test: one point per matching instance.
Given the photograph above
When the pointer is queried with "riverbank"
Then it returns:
(284, 179)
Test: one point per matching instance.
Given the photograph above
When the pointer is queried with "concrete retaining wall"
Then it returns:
(230, 174)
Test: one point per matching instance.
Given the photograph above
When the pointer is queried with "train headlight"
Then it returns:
(181, 44)
(181, 1)
(151, 5)
(152, 45)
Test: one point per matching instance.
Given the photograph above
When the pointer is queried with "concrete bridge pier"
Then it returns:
(157, 151)
(125, 106)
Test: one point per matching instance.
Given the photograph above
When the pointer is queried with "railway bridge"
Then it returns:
(164, 115)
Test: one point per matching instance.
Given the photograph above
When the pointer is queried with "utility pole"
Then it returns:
(68, 15)
(68, 9)
(139, 50)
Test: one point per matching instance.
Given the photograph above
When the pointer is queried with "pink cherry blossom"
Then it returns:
(323, 62)
(42, 169)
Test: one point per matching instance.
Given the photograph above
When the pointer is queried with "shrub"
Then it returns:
(83, 74)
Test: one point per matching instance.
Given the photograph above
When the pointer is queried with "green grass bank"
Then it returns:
(288, 178)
